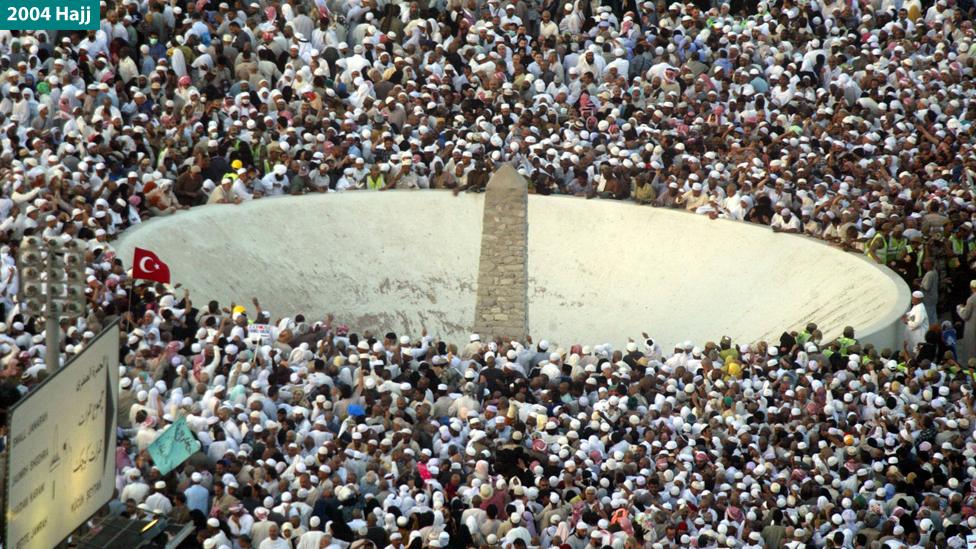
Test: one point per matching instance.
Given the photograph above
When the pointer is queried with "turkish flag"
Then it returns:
(147, 266)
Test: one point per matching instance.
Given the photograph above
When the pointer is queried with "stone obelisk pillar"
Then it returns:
(502, 306)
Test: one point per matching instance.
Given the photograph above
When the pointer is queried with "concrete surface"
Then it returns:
(502, 302)
(599, 270)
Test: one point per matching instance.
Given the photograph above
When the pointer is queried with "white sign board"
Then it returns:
(260, 333)
(61, 447)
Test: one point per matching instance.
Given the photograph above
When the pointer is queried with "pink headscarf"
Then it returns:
(481, 470)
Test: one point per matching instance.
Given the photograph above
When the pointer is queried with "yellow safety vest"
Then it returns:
(897, 248)
(880, 251)
(845, 343)
(959, 251)
(375, 184)
(889, 249)
(958, 246)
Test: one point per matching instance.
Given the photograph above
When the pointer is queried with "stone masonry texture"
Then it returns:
(502, 307)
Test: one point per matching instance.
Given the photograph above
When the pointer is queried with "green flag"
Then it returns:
(173, 447)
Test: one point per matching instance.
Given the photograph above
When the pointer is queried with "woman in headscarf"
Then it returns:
(177, 61)
(738, 207)
(149, 323)
(361, 88)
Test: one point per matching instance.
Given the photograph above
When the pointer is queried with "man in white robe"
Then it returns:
(916, 322)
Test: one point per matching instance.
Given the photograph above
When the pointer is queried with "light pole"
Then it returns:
(52, 285)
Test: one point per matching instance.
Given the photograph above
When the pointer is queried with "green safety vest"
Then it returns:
(897, 248)
(257, 153)
(845, 343)
(729, 353)
(802, 337)
(880, 251)
(958, 246)
(375, 184)
(959, 249)
(888, 249)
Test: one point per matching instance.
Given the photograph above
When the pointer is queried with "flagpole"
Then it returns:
(128, 309)
(52, 331)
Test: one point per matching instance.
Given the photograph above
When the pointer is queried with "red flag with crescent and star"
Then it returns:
(147, 266)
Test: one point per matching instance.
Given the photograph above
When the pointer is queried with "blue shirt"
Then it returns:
(200, 29)
(197, 497)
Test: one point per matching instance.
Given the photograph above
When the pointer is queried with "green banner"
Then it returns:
(49, 15)
(173, 447)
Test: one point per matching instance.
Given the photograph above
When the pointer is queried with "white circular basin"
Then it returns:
(599, 270)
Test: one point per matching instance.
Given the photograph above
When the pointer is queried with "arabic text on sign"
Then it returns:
(93, 409)
(91, 373)
(87, 455)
